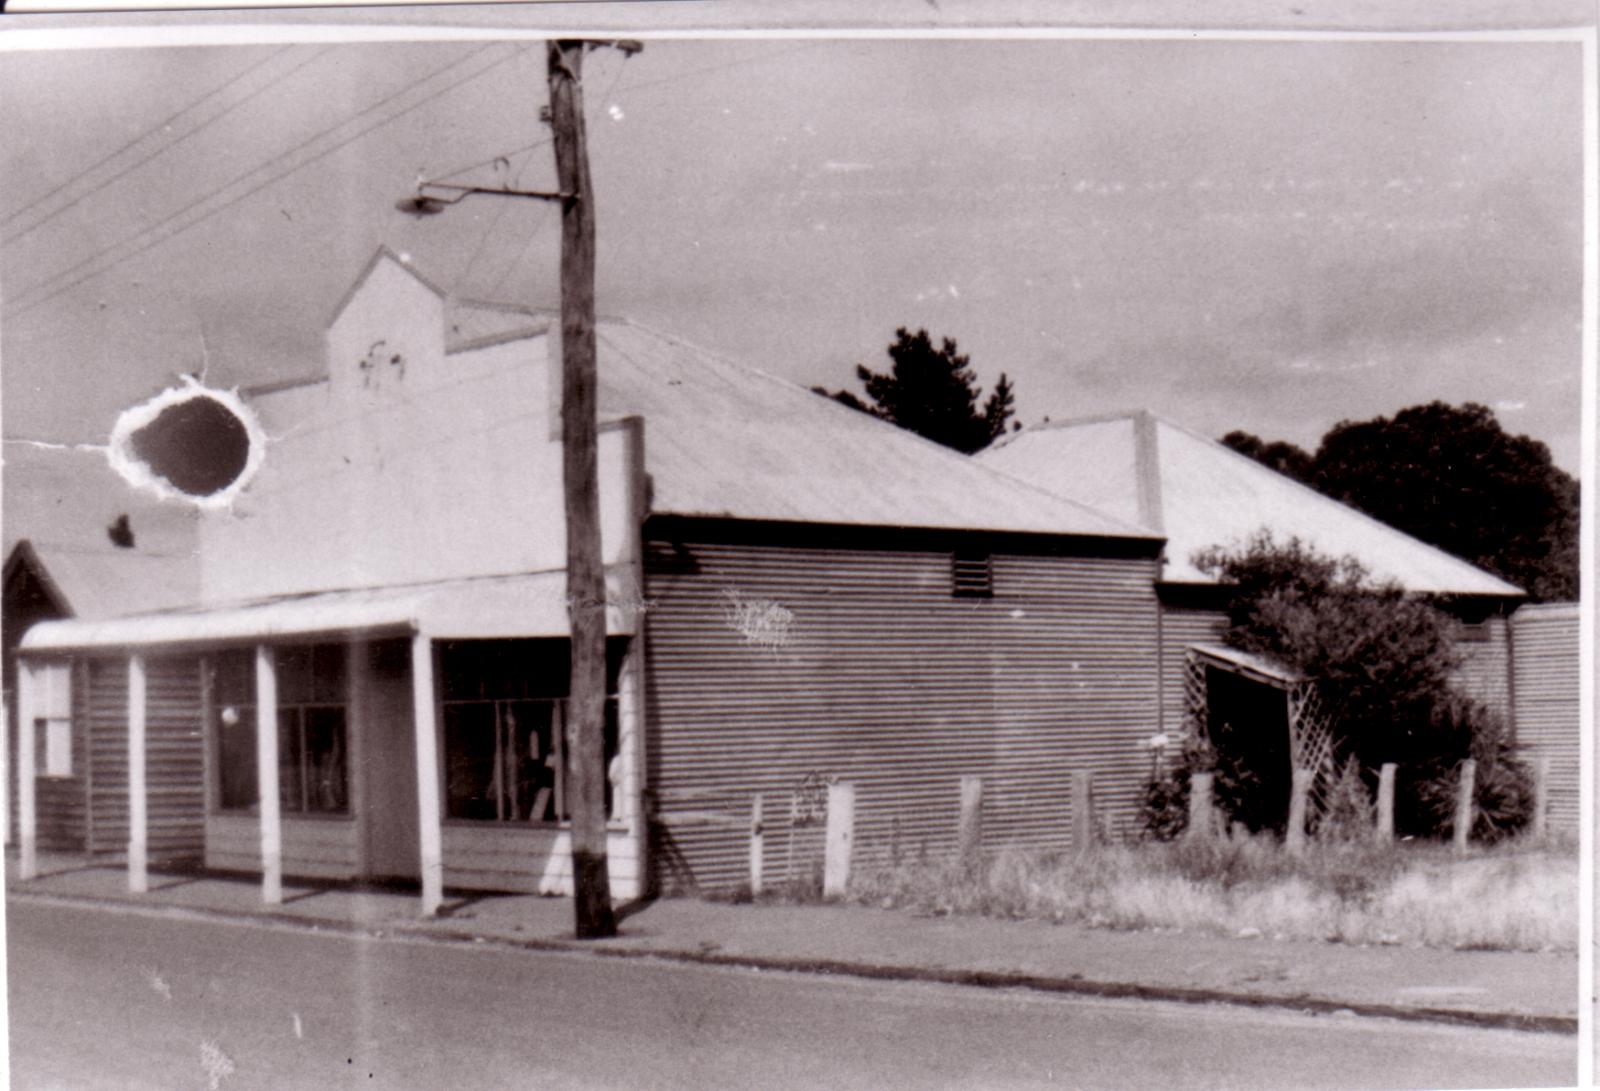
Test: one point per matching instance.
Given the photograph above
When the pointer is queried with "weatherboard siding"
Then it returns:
(174, 757)
(313, 848)
(769, 663)
(1545, 669)
(529, 859)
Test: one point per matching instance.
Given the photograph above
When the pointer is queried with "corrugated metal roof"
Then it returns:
(528, 604)
(103, 583)
(1258, 667)
(1209, 495)
(723, 439)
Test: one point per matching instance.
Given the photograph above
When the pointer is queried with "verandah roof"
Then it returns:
(529, 604)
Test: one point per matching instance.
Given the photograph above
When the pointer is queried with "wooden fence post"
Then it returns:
(1082, 811)
(1385, 830)
(1200, 805)
(969, 832)
(1541, 797)
(758, 844)
(839, 839)
(1469, 777)
(1299, 794)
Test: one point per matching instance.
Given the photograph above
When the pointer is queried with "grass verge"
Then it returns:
(1514, 897)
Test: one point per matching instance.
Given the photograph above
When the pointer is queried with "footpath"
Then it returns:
(1526, 991)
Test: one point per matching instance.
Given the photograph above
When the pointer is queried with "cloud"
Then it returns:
(840, 167)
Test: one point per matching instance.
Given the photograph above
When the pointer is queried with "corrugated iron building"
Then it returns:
(779, 657)
(803, 592)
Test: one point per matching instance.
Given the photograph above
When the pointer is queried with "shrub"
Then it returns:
(1350, 815)
(1503, 791)
(1382, 661)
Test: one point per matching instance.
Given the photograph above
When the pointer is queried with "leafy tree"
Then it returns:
(1453, 477)
(1382, 659)
(1286, 458)
(932, 392)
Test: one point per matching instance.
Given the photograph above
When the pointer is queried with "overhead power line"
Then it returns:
(142, 241)
(158, 127)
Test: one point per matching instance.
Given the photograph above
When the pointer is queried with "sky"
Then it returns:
(1265, 235)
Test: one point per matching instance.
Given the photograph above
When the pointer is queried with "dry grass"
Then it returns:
(1515, 897)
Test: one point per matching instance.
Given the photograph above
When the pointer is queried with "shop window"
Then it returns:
(505, 715)
(53, 719)
(313, 774)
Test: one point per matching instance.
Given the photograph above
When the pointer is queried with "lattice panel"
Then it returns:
(1195, 706)
(1312, 742)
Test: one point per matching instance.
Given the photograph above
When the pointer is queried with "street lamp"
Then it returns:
(423, 203)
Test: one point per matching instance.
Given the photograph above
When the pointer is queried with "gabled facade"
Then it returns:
(78, 778)
(796, 592)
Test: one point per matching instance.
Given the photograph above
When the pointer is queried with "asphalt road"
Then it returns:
(110, 999)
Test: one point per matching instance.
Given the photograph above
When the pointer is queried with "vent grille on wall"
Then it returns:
(971, 575)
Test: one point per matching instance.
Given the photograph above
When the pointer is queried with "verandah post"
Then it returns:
(138, 792)
(267, 775)
(429, 820)
(27, 769)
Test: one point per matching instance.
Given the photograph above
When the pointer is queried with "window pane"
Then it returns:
(291, 781)
(532, 760)
(294, 675)
(57, 749)
(325, 764)
(55, 690)
(328, 674)
(235, 677)
(469, 740)
(235, 726)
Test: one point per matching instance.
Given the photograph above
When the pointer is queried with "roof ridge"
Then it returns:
(905, 435)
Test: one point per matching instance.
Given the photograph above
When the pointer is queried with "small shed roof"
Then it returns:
(1200, 493)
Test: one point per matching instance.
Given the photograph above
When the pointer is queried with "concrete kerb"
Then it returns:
(438, 932)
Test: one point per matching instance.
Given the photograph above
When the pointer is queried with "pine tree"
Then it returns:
(933, 392)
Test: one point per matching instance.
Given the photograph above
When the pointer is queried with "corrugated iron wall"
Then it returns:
(174, 760)
(1544, 667)
(1179, 629)
(769, 663)
(1485, 665)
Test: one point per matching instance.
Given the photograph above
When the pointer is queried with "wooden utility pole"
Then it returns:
(584, 563)
(586, 587)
